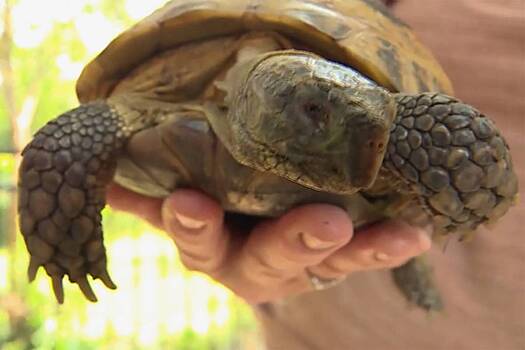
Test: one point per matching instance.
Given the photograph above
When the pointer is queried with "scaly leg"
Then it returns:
(62, 181)
(454, 159)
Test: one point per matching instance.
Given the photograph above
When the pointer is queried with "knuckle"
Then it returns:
(196, 262)
(337, 267)
(262, 268)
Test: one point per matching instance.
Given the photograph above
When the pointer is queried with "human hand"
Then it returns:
(271, 261)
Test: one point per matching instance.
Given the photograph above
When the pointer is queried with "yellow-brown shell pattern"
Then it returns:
(360, 33)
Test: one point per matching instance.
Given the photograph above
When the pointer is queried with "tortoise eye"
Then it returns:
(317, 113)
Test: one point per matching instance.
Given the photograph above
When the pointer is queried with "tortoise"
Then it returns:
(264, 105)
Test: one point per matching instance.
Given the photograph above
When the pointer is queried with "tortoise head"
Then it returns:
(309, 120)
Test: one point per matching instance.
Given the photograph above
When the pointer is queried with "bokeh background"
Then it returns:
(159, 305)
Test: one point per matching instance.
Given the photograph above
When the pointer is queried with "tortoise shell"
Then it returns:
(358, 33)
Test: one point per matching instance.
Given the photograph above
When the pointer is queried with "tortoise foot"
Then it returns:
(62, 184)
(414, 280)
(454, 159)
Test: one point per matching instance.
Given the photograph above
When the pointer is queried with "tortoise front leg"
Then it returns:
(456, 163)
(454, 159)
(62, 184)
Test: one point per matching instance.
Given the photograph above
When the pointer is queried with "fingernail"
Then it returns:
(188, 222)
(315, 243)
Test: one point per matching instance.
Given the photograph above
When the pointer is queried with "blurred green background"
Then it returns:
(159, 305)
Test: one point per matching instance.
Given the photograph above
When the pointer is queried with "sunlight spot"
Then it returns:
(30, 27)
(122, 313)
(93, 2)
(74, 324)
(138, 9)
(69, 70)
(148, 290)
(149, 244)
(26, 114)
(96, 322)
(200, 294)
(200, 322)
(65, 10)
(222, 315)
(50, 325)
(96, 31)
(174, 312)
(166, 246)
(122, 250)
(221, 293)
(148, 332)
(42, 283)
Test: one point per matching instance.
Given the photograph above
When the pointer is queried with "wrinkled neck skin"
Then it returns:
(309, 120)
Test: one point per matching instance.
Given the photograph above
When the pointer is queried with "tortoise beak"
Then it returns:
(367, 150)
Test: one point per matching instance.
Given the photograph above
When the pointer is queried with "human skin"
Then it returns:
(268, 263)
(481, 45)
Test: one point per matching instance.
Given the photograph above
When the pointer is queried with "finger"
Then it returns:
(147, 208)
(195, 223)
(383, 245)
(278, 249)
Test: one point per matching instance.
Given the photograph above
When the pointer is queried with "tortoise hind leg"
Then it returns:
(415, 281)
(457, 165)
(62, 183)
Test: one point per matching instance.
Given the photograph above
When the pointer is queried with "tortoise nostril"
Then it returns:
(379, 146)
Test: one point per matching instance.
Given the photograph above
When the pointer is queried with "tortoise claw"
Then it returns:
(32, 270)
(86, 289)
(106, 279)
(58, 288)
(415, 280)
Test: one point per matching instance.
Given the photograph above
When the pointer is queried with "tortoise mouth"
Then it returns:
(343, 161)
(345, 171)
